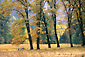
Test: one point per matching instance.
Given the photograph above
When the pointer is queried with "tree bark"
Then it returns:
(54, 19)
(69, 26)
(81, 24)
(69, 21)
(38, 32)
(28, 29)
(38, 24)
(46, 32)
(27, 24)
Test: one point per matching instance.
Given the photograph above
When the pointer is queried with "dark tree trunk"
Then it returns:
(38, 24)
(38, 32)
(28, 29)
(81, 24)
(27, 23)
(69, 21)
(54, 19)
(46, 32)
(38, 42)
(69, 26)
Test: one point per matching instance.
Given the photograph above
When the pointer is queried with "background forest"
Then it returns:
(42, 22)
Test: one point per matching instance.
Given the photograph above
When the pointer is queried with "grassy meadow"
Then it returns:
(8, 50)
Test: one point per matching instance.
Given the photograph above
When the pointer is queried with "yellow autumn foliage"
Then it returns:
(60, 29)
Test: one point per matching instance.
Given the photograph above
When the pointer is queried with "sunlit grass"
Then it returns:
(64, 49)
(42, 46)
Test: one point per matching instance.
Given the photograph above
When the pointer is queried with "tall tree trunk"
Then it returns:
(81, 23)
(79, 18)
(46, 31)
(38, 24)
(69, 21)
(69, 26)
(54, 18)
(27, 23)
(38, 32)
(28, 29)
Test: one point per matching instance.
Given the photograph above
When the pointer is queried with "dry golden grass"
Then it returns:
(8, 50)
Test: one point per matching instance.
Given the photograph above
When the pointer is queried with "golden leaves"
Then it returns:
(60, 29)
(36, 9)
(84, 32)
(1, 11)
(2, 3)
(27, 4)
(41, 25)
(73, 24)
(18, 39)
(46, 11)
(17, 28)
(53, 10)
(77, 23)
(6, 8)
(81, 9)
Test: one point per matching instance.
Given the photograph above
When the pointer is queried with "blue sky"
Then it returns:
(59, 11)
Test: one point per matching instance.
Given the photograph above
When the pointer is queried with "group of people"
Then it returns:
(20, 48)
